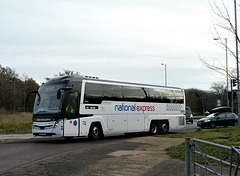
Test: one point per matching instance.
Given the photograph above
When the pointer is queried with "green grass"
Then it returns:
(16, 127)
(15, 123)
(225, 136)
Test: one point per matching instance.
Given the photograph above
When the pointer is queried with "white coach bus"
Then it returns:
(81, 106)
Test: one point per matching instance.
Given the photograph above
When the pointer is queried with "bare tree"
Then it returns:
(67, 72)
(64, 73)
(219, 89)
(223, 23)
(218, 67)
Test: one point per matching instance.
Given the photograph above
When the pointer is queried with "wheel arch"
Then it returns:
(99, 126)
(86, 124)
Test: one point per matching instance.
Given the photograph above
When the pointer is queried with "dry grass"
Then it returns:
(15, 123)
(16, 117)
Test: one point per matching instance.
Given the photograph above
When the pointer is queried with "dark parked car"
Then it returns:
(219, 119)
(189, 116)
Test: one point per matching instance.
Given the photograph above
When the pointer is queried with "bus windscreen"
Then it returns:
(48, 103)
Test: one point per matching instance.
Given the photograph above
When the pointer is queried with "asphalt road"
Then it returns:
(22, 152)
(189, 128)
(18, 153)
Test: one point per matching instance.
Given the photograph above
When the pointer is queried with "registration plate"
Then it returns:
(42, 134)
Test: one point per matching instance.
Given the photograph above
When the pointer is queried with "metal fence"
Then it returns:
(206, 161)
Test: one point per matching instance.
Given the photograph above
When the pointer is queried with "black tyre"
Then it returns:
(212, 125)
(154, 128)
(163, 127)
(95, 131)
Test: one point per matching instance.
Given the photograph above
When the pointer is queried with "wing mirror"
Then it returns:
(28, 93)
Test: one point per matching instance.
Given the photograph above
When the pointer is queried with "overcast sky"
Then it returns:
(123, 40)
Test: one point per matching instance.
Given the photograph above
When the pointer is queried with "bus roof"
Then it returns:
(77, 78)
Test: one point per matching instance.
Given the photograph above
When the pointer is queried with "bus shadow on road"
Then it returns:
(52, 140)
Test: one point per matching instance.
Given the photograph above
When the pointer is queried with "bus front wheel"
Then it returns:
(95, 131)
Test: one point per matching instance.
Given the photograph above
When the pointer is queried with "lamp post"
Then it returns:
(237, 59)
(226, 64)
(165, 65)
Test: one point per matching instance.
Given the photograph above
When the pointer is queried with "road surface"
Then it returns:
(18, 153)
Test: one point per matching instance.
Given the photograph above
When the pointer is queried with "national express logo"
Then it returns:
(134, 107)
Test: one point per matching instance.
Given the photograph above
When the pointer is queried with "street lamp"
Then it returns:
(226, 65)
(165, 73)
(237, 59)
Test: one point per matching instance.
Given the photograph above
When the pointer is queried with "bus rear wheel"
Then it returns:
(95, 131)
(159, 127)
(154, 128)
(163, 127)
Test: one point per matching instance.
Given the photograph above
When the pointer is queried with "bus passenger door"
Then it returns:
(70, 114)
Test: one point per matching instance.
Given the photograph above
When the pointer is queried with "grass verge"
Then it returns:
(16, 127)
(224, 136)
(15, 123)
(198, 117)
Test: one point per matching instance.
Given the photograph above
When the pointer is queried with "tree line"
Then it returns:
(201, 101)
(13, 90)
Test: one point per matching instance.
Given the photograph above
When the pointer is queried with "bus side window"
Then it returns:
(154, 95)
(171, 96)
(129, 93)
(93, 93)
(168, 96)
(179, 96)
(142, 96)
(112, 92)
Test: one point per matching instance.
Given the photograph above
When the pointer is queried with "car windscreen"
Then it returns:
(211, 115)
(188, 110)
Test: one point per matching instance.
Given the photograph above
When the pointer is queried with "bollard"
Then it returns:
(188, 156)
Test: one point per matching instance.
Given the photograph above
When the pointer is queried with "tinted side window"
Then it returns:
(96, 93)
(154, 95)
(230, 115)
(93, 93)
(221, 116)
(179, 98)
(141, 94)
(129, 93)
(112, 92)
(168, 96)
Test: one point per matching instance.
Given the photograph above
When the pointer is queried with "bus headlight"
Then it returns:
(55, 125)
